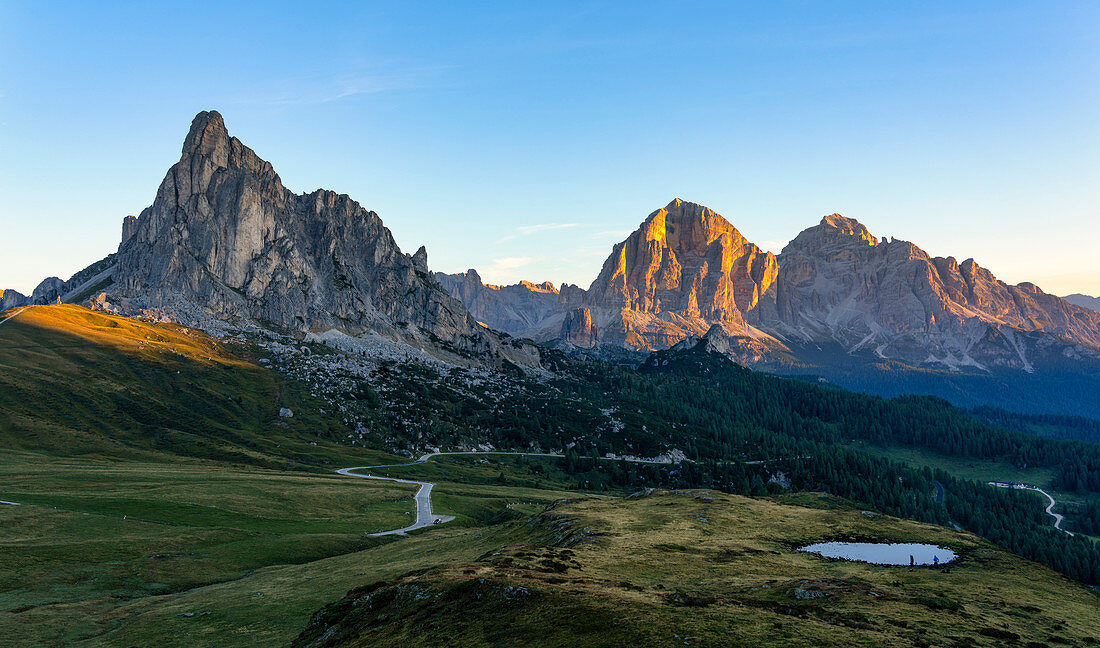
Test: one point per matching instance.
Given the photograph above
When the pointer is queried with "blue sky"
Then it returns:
(524, 139)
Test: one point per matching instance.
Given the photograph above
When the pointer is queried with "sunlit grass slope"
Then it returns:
(79, 382)
(707, 569)
(137, 454)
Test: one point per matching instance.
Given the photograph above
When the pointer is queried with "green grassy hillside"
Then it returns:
(163, 501)
(75, 382)
(707, 569)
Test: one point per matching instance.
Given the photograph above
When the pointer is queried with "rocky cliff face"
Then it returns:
(838, 283)
(687, 273)
(11, 299)
(579, 329)
(129, 226)
(685, 269)
(224, 236)
(525, 310)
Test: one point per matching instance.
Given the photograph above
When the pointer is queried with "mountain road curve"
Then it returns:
(1058, 518)
(12, 316)
(423, 497)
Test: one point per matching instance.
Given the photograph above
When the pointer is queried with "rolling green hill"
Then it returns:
(163, 500)
(706, 569)
(77, 382)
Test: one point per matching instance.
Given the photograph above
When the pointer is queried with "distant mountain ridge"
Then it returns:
(835, 288)
(1084, 301)
(225, 240)
(522, 310)
(838, 283)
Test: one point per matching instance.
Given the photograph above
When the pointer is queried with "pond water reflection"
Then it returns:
(883, 553)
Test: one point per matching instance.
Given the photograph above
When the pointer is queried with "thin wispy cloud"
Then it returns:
(503, 270)
(510, 263)
(527, 230)
(774, 245)
(326, 89)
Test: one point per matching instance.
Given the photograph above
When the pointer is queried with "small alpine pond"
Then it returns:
(883, 553)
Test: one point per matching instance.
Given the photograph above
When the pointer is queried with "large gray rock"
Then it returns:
(129, 226)
(48, 291)
(838, 283)
(12, 299)
(224, 234)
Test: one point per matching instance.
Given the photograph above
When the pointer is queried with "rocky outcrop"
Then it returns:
(525, 310)
(11, 299)
(224, 237)
(52, 289)
(48, 291)
(715, 341)
(129, 226)
(579, 330)
(838, 283)
(1084, 301)
(687, 273)
(684, 270)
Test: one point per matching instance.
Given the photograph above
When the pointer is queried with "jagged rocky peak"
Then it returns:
(224, 237)
(579, 329)
(524, 309)
(684, 269)
(838, 283)
(849, 226)
(208, 139)
(687, 226)
(545, 287)
(129, 226)
(833, 231)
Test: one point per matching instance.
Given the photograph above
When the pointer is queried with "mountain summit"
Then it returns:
(836, 294)
(224, 239)
(683, 270)
(839, 284)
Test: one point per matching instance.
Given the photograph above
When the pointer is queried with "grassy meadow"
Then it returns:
(707, 569)
(163, 502)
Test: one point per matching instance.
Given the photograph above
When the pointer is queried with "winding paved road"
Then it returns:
(423, 499)
(1058, 519)
(423, 495)
(12, 316)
